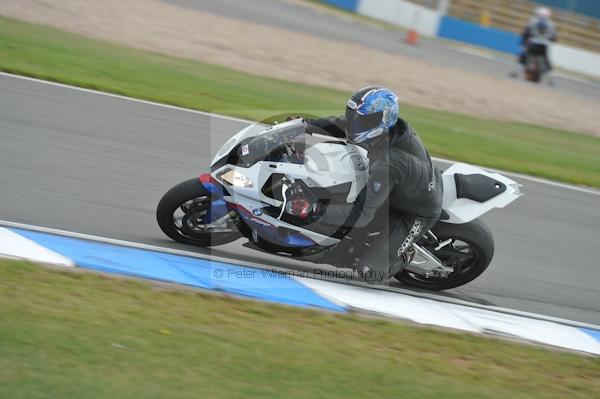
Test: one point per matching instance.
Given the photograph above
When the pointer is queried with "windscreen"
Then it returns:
(285, 143)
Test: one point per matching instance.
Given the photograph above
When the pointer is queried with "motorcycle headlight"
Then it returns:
(236, 179)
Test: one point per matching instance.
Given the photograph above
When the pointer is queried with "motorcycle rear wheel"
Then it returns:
(470, 253)
(193, 200)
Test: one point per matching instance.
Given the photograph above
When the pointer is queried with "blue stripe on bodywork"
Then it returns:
(206, 274)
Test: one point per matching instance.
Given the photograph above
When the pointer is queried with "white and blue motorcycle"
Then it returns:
(270, 184)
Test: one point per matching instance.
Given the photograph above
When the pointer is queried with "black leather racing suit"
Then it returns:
(403, 196)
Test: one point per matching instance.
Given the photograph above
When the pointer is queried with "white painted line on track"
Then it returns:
(157, 248)
(121, 97)
(587, 190)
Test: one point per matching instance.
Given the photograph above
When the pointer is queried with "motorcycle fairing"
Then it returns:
(462, 207)
(255, 155)
(224, 151)
(265, 229)
(274, 230)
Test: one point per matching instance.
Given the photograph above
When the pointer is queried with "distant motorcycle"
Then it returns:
(536, 62)
(270, 185)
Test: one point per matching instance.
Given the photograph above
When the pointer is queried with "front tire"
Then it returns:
(470, 254)
(193, 200)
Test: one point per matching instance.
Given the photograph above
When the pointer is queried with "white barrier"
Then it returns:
(576, 59)
(402, 13)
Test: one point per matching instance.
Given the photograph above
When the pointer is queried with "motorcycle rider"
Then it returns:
(403, 195)
(537, 36)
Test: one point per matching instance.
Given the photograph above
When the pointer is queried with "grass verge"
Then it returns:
(68, 334)
(63, 57)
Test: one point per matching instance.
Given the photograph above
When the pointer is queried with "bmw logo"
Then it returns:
(257, 212)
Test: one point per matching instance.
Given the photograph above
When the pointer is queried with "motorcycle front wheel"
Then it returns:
(469, 253)
(181, 215)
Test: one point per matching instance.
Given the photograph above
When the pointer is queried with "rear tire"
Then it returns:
(533, 69)
(533, 76)
(477, 236)
(177, 197)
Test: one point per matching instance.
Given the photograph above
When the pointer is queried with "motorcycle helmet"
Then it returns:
(371, 112)
(543, 13)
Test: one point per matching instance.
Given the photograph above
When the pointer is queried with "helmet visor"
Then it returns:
(357, 124)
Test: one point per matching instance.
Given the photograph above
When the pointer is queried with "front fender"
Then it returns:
(218, 206)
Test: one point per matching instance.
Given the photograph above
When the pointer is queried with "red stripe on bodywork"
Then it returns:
(207, 178)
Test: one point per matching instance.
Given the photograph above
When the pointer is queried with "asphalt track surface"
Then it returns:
(97, 164)
(291, 16)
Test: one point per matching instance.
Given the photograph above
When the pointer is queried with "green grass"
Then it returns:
(69, 334)
(58, 56)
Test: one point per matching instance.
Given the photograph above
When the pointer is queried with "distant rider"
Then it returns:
(539, 33)
(403, 196)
